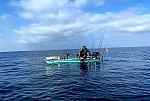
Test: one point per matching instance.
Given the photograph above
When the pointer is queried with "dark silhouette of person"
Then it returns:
(83, 53)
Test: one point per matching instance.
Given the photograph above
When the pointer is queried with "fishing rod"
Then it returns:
(100, 45)
(101, 42)
(92, 43)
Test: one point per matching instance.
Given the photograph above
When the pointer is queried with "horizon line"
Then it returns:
(69, 49)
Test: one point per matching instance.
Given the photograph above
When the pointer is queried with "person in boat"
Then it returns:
(95, 55)
(83, 53)
(67, 55)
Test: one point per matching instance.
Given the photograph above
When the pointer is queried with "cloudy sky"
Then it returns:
(61, 24)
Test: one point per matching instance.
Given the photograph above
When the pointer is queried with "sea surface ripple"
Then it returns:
(124, 75)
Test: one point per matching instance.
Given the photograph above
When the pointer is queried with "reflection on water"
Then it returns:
(124, 75)
(84, 67)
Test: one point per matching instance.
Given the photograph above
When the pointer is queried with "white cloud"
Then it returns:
(65, 19)
(34, 9)
(83, 3)
(79, 3)
(5, 23)
(37, 33)
(136, 24)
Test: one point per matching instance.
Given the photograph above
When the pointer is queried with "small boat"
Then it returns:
(71, 60)
(83, 56)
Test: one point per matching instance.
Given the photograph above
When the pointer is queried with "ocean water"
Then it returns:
(124, 75)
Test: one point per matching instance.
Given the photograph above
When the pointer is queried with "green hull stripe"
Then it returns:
(73, 60)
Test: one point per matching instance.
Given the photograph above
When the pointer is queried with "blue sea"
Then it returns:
(124, 75)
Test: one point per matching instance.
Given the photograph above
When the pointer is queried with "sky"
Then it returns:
(66, 24)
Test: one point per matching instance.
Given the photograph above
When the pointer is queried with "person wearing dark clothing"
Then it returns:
(83, 53)
(67, 55)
